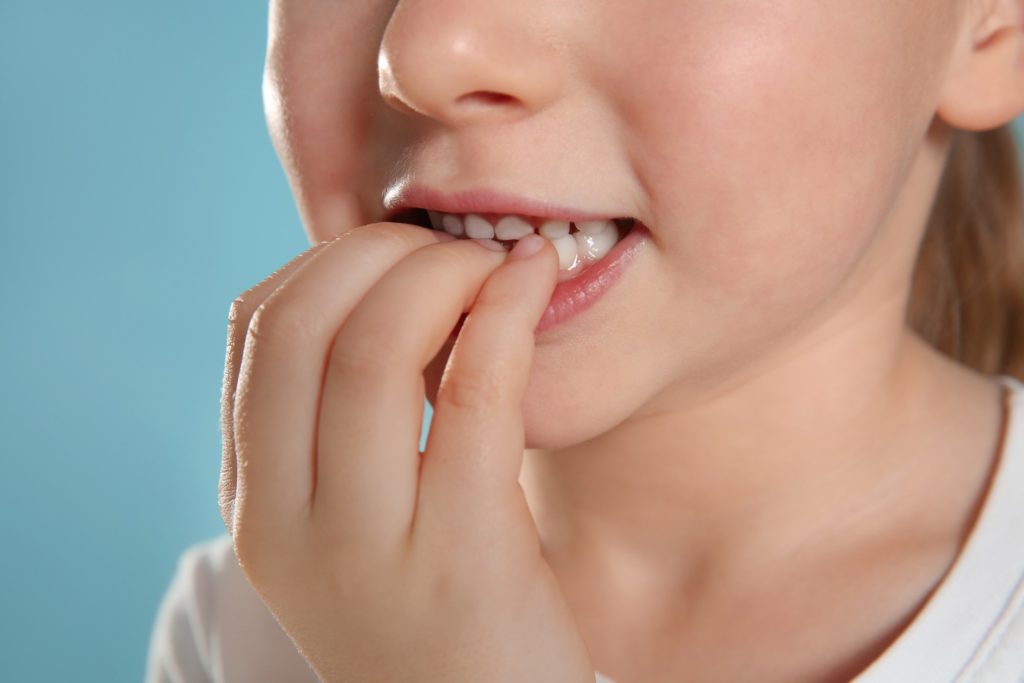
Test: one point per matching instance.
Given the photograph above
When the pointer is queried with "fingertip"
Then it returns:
(543, 252)
(491, 245)
(526, 279)
(526, 247)
(536, 251)
(442, 236)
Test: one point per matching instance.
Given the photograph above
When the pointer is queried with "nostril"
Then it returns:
(487, 97)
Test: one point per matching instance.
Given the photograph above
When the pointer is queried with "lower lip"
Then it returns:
(572, 297)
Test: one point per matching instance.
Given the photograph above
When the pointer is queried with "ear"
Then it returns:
(985, 85)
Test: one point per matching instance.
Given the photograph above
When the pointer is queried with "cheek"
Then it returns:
(772, 148)
(786, 129)
(318, 93)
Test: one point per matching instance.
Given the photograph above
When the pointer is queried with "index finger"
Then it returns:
(476, 437)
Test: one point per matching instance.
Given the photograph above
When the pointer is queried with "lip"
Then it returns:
(569, 298)
(401, 198)
(572, 297)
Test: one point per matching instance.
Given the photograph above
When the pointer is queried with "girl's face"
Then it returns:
(781, 153)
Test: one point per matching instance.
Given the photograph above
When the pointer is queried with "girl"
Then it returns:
(740, 404)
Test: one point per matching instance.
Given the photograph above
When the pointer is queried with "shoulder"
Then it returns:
(1000, 658)
(212, 626)
(1000, 655)
(971, 629)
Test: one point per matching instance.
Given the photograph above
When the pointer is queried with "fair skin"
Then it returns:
(739, 465)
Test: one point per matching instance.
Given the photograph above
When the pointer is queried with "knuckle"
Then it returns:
(260, 544)
(239, 314)
(278, 323)
(226, 505)
(249, 548)
(472, 391)
(238, 308)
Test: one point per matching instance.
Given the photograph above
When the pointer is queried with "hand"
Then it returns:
(379, 564)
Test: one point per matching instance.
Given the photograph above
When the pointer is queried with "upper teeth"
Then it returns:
(512, 228)
(592, 241)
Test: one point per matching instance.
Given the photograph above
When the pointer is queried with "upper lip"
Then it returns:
(482, 200)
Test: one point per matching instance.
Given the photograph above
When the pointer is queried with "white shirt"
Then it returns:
(211, 626)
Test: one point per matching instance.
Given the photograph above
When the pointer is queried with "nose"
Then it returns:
(465, 61)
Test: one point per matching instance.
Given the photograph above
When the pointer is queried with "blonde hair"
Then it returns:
(967, 295)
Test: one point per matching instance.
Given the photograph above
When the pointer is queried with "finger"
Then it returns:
(287, 346)
(475, 448)
(372, 406)
(240, 313)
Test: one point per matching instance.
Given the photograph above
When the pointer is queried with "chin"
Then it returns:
(547, 436)
(554, 420)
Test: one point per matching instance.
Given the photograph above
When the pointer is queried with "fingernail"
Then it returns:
(527, 247)
(443, 236)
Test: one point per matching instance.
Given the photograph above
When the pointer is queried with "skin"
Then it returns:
(741, 449)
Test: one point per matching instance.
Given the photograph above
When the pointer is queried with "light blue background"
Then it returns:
(140, 195)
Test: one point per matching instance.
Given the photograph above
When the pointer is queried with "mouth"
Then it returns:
(593, 254)
(581, 245)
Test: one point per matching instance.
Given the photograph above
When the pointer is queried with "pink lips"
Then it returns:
(481, 201)
(569, 298)
(572, 297)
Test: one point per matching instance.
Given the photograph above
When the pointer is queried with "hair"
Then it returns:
(967, 292)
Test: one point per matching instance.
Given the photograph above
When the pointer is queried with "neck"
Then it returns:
(749, 468)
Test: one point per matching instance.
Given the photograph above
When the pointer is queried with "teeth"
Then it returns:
(594, 246)
(478, 228)
(594, 227)
(576, 250)
(553, 229)
(452, 225)
(568, 255)
(512, 228)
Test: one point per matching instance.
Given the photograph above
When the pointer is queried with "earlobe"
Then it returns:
(985, 87)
